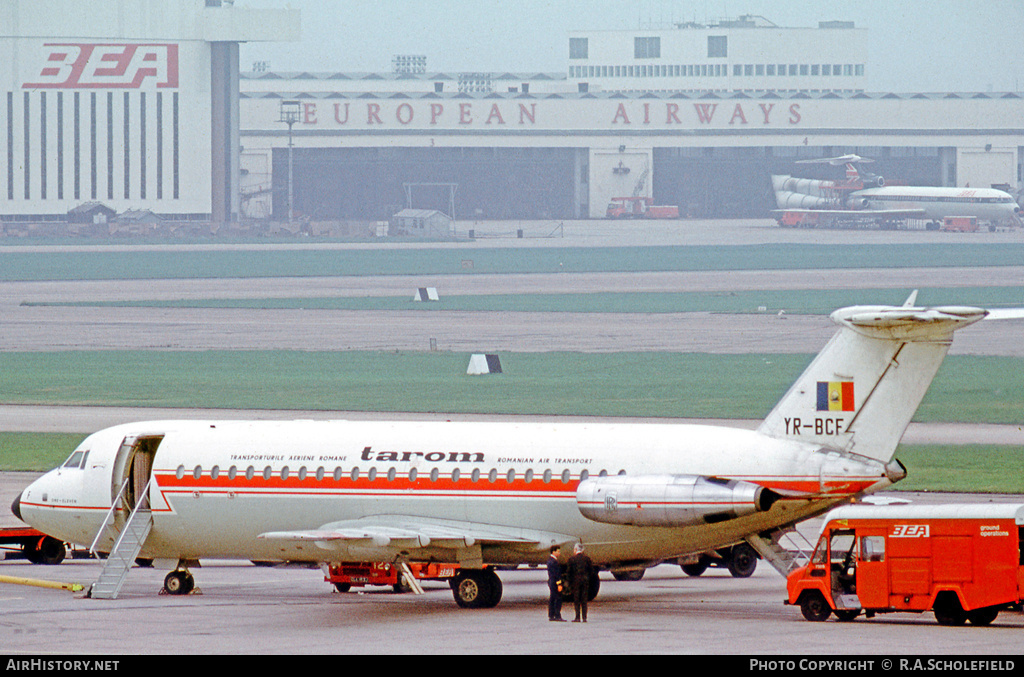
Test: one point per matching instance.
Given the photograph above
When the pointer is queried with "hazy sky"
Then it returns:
(915, 45)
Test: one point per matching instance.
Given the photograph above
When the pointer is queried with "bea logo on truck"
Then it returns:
(910, 531)
(107, 66)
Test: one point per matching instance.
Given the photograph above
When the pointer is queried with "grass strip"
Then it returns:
(673, 385)
(173, 263)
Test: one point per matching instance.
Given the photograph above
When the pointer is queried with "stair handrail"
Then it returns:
(108, 519)
(143, 498)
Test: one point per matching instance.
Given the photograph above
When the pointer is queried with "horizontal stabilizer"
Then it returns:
(860, 393)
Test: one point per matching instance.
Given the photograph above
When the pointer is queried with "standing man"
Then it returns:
(554, 580)
(580, 569)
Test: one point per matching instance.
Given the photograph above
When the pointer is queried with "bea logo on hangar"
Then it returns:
(107, 66)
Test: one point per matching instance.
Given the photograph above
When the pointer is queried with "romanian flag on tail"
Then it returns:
(835, 395)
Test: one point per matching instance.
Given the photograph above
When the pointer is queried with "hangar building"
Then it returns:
(129, 103)
(143, 105)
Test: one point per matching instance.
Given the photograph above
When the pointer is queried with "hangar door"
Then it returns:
(367, 183)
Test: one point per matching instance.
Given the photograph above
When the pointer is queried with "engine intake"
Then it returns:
(670, 500)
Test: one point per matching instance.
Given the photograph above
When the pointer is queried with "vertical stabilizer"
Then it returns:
(860, 393)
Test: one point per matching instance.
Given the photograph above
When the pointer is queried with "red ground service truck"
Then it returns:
(960, 224)
(963, 562)
(33, 545)
(639, 208)
(348, 574)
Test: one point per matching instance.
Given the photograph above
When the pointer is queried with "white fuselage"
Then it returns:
(986, 204)
(218, 485)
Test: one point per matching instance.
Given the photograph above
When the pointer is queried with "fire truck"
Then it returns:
(962, 562)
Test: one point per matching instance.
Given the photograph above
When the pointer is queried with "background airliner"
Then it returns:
(863, 195)
(483, 494)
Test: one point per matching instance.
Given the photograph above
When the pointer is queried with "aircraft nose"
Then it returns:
(16, 507)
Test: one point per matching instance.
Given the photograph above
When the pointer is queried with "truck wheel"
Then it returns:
(948, 610)
(814, 607)
(47, 550)
(982, 617)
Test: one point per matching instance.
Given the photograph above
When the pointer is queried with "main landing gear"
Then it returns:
(740, 560)
(179, 582)
(476, 588)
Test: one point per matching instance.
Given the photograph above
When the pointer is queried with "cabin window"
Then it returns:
(391, 475)
(566, 476)
(214, 472)
(250, 472)
(511, 477)
(455, 475)
(320, 474)
(547, 476)
(434, 475)
(284, 473)
(197, 472)
(529, 476)
(492, 476)
(412, 474)
(268, 472)
(584, 475)
(337, 474)
(180, 472)
(354, 475)
(476, 475)
(372, 475)
(302, 473)
(872, 549)
(232, 472)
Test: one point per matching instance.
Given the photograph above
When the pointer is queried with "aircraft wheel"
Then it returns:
(983, 617)
(948, 610)
(742, 561)
(477, 589)
(814, 607)
(697, 568)
(179, 582)
(629, 574)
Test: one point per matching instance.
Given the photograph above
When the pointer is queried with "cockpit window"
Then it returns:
(77, 459)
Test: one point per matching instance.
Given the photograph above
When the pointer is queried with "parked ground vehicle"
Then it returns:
(348, 574)
(639, 208)
(963, 562)
(35, 546)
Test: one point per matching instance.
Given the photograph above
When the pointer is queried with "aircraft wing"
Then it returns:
(389, 531)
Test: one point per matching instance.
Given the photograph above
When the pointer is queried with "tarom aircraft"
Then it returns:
(482, 494)
(864, 197)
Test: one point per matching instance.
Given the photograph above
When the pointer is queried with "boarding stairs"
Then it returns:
(786, 549)
(126, 548)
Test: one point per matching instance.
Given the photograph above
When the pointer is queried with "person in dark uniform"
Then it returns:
(580, 568)
(554, 579)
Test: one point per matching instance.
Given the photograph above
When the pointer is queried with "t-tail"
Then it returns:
(860, 393)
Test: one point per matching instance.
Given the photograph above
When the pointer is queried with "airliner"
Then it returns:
(487, 494)
(864, 195)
